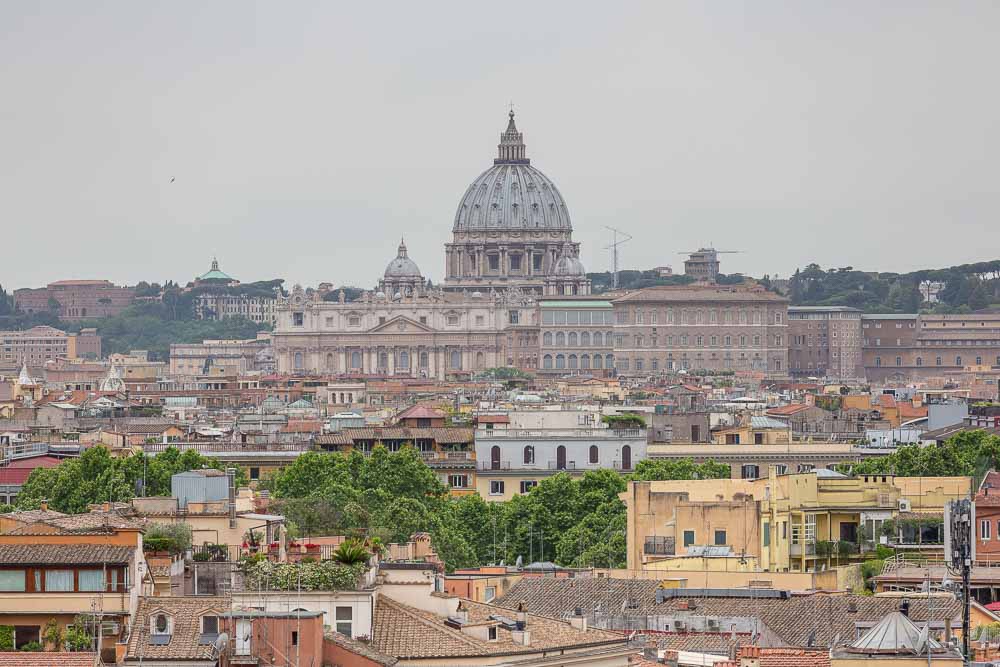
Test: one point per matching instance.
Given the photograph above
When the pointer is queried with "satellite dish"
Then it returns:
(221, 643)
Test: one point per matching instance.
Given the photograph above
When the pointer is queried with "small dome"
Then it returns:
(568, 265)
(402, 266)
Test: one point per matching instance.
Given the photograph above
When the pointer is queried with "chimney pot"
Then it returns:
(44, 505)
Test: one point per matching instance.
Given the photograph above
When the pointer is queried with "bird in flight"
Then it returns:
(172, 179)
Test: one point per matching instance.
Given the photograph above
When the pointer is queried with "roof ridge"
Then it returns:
(419, 615)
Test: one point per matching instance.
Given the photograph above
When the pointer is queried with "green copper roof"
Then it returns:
(214, 273)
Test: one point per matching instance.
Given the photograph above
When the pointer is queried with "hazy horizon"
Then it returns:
(304, 139)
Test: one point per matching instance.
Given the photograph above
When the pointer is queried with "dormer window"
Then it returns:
(209, 629)
(161, 628)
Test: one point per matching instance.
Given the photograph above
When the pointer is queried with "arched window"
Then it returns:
(560, 339)
(585, 339)
(585, 361)
(626, 457)
(404, 360)
(609, 361)
(594, 456)
(456, 359)
(958, 361)
(597, 339)
(297, 362)
(560, 361)
(495, 457)
(572, 361)
(571, 339)
(878, 361)
(529, 454)
(547, 339)
(899, 361)
(561, 457)
(920, 361)
(355, 359)
(598, 361)
(547, 361)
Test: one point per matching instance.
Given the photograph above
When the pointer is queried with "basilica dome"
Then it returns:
(512, 195)
(568, 265)
(402, 266)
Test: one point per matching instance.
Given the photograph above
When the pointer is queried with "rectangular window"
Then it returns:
(59, 580)
(345, 618)
(527, 485)
(489, 593)
(298, 319)
(254, 473)
(767, 534)
(91, 580)
(12, 580)
(295, 638)
(688, 538)
(720, 538)
(210, 625)
(496, 487)
(514, 316)
(458, 481)
(479, 320)
(536, 261)
(494, 261)
(984, 529)
(515, 262)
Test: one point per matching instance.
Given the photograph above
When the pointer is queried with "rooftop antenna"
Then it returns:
(615, 242)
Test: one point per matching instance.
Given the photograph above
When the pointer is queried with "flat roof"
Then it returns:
(600, 303)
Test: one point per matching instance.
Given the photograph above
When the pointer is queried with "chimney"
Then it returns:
(947, 630)
(44, 506)
(749, 656)
(462, 612)
(904, 607)
(578, 620)
(522, 616)
(231, 477)
(522, 637)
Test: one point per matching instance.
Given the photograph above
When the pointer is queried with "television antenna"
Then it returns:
(615, 242)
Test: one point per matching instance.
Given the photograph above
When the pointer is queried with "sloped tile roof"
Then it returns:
(186, 613)
(63, 554)
(360, 648)
(443, 435)
(406, 632)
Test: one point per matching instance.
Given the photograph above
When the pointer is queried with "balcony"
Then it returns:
(548, 433)
(797, 549)
(64, 603)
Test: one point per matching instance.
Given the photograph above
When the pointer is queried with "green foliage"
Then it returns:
(654, 470)
(967, 287)
(6, 637)
(622, 421)
(172, 537)
(871, 568)
(967, 454)
(78, 638)
(316, 576)
(390, 496)
(351, 552)
(97, 476)
(630, 279)
(52, 634)
(504, 373)
(32, 647)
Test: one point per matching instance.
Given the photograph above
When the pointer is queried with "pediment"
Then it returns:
(401, 324)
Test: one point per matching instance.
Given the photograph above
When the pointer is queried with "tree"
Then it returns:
(978, 297)
(651, 470)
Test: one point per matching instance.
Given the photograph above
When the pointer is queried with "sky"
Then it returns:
(301, 140)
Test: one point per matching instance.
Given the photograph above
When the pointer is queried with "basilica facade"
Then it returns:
(512, 243)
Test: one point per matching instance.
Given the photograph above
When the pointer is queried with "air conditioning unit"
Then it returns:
(110, 628)
(713, 624)
(904, 505)
(679, 625)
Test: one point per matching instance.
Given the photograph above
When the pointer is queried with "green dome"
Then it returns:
(215, 274)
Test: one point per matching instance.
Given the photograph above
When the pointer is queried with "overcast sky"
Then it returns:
(307, 137)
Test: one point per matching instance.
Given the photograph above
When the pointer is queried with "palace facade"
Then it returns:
(512, 243)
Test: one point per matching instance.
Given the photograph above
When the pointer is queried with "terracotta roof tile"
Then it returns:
(185, 613)
(360, 648)
(63, 554)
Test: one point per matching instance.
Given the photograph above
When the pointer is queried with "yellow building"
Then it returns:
(755, 431)
(800, 523)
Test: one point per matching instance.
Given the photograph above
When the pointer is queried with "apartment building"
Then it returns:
(919, 347)
(221, 357)
(824, 341)
(260, 309)
(701, 327)
(512, 458)
(797, 522)
(40, 344)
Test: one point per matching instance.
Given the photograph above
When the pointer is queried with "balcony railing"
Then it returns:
(797, 549)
